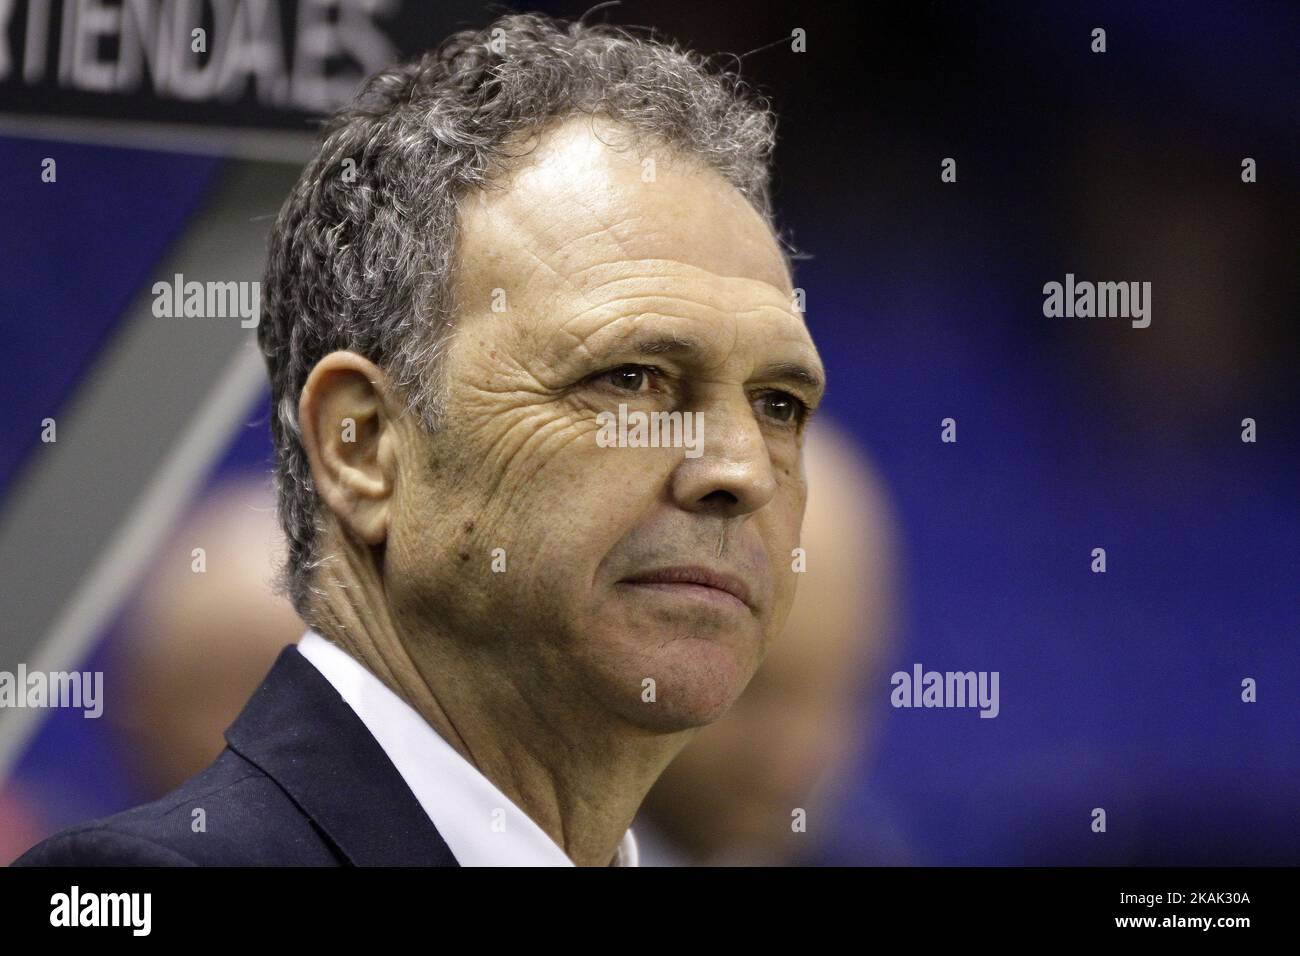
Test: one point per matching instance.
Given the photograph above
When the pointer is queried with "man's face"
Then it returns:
(593, 280)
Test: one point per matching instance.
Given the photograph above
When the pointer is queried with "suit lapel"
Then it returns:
(301, 733)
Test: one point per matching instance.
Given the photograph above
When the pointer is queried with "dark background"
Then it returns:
(1119, 690)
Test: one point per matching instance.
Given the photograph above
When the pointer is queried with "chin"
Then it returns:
(696, 682)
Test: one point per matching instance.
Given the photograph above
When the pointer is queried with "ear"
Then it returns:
(349, 433)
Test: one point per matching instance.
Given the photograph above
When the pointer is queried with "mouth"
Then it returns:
(695, 583)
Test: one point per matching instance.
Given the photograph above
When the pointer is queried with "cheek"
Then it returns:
(544, 489)
(423, 550)
(585, 500)
(782, 534)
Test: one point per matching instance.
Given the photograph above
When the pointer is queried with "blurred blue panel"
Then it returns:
(74, 252)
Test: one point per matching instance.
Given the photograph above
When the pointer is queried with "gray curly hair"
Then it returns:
(363, 262)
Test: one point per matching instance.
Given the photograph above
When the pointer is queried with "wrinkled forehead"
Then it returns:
(586, 199)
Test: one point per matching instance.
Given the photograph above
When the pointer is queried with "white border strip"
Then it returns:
(281, 146)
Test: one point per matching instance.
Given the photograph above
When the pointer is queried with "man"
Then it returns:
(514, 625)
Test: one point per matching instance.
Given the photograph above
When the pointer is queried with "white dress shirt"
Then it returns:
(480, 824)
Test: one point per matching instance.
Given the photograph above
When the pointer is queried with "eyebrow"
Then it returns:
(794, 372)
(677, 345)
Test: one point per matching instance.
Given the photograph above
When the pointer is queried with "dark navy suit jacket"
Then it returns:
(301, 783)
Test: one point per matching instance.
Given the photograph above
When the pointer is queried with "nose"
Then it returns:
(734, 475)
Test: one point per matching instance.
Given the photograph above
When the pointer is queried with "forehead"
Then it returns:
(589, 202)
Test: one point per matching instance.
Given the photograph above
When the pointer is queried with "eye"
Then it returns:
(783, 407)
(628, 378)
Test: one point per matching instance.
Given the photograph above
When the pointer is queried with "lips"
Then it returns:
(698, 576)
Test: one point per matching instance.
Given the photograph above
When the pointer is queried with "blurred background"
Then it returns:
(1119, 690)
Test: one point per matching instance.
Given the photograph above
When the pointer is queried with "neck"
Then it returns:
(580, 772)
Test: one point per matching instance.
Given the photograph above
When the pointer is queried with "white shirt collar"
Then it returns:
(480, 824)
